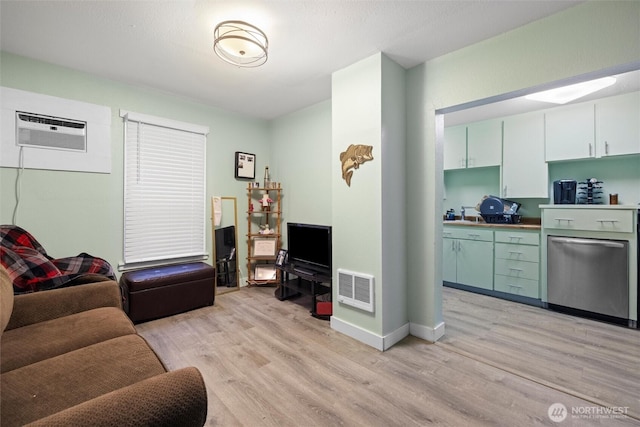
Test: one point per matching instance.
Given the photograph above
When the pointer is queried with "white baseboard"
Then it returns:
(427, 333)
(376, 341)
(383, 343)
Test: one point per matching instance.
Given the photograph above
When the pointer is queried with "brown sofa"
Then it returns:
(71, 356)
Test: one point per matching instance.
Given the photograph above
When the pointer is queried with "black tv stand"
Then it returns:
(301, 272)
(306, 282)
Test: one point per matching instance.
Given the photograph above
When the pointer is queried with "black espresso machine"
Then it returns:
(564, 192)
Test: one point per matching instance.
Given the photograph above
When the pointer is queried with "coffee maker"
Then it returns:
(564, 192)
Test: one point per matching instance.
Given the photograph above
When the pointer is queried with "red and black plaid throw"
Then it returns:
(31, 269)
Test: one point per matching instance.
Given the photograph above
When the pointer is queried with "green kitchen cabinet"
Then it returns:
(517, 262)
(467, 254)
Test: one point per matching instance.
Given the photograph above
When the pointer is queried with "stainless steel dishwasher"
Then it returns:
(589, 274)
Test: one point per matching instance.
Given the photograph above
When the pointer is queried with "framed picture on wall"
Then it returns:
(245, 165)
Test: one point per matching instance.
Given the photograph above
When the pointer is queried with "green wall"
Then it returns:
(357, 215)
(301, 159)
(73, 212)
(583, 39)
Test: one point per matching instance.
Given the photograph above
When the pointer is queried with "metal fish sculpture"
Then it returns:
(352, 158)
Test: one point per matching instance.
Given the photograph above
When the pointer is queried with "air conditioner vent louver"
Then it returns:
(356, 290)
(53, 121)
(36, 130)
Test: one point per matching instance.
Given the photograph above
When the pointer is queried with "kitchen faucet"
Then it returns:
(462, 211)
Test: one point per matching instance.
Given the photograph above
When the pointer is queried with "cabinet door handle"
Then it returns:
(564, 219)
(606, 148)
(612, 221)
(590, 150)
(453, 245)
(504, 191)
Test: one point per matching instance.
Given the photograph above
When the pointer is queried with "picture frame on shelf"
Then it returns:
(265, 272)
(245, 165)
(264, 247)
(281, 259)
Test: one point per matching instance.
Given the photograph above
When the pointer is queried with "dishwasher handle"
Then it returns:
(573, 241)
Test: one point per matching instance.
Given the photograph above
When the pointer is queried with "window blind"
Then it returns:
(164, 190)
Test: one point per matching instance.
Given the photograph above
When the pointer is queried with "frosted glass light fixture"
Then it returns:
(240, 43)
(565, 94)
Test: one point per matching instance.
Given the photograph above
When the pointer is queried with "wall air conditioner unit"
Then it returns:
(40, 131)
(355, 289)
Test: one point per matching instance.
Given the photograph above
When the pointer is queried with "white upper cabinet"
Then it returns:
(484, 143)
(569, 132)
(524, 170)
(618, 125)
(455, 147)
(474, 145)
(606, 127)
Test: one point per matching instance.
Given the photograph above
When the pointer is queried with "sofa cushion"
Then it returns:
(6, 298)
(52, 385)
(39, 341)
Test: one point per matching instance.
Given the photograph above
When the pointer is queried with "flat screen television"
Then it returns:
(309, 247)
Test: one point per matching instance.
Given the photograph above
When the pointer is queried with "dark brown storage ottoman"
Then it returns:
(163, 291)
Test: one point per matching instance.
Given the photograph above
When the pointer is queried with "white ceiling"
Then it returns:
(167, 45)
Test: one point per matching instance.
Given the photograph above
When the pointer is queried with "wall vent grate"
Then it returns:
(356, 290)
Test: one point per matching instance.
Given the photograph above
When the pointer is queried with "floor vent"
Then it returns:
(355, 289)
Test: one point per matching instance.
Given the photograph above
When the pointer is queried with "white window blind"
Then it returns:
(164, 190)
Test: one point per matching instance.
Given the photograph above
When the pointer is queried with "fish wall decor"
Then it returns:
(352, 158)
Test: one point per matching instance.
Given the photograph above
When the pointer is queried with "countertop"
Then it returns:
(613, 207)
(526, 224)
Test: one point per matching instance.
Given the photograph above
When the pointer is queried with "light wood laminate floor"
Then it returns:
(269, 363)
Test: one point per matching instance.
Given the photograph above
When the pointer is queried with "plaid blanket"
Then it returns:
(31, 269)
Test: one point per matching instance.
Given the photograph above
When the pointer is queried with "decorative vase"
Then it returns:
(267, 179)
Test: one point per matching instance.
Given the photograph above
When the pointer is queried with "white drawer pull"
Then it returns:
(515, 269)
(564, 219)
(515, 252)
(515, 237)
(473, 235)
(607, 220)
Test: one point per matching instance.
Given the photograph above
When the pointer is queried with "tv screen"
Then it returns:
(309, 246)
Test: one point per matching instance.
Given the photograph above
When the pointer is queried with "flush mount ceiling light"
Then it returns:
(565, 94)
(240, 43)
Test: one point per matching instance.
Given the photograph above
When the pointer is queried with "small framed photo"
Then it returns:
(245, 165)
(281, 259)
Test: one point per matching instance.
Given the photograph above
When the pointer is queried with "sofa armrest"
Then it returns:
(176, 398)
(46, 305)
